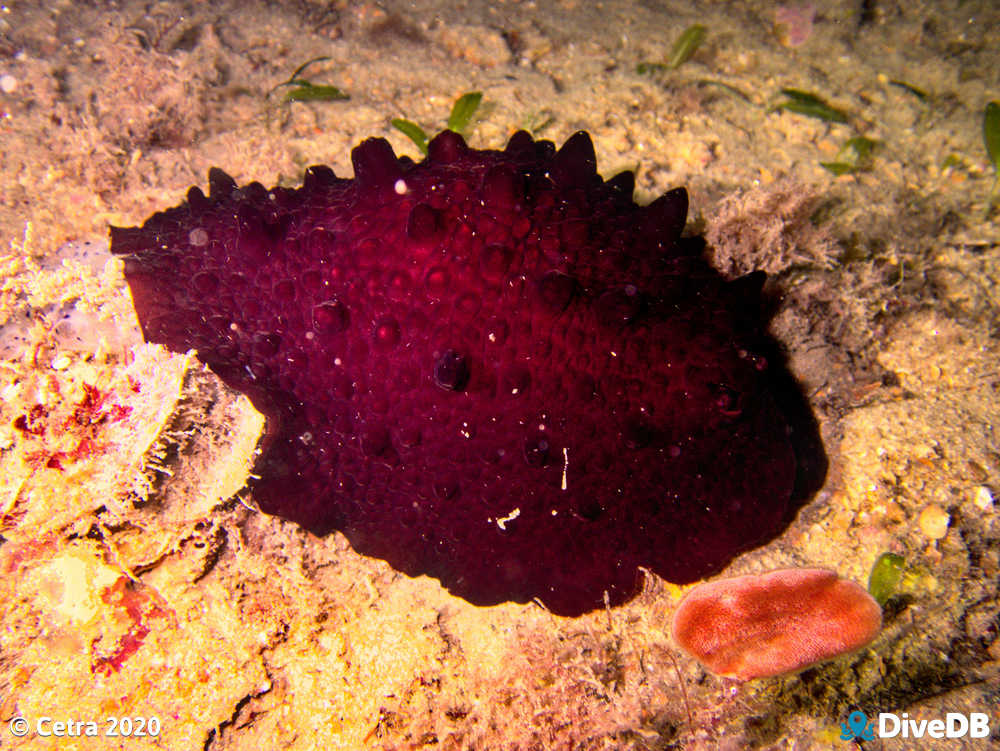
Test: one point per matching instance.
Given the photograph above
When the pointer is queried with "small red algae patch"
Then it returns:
(139, 606)
(765, 625)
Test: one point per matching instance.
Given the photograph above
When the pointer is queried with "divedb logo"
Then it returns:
(890, 725)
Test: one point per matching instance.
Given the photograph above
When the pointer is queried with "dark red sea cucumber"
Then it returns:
(490, 367)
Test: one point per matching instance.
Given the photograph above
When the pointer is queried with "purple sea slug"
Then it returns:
(489, 367)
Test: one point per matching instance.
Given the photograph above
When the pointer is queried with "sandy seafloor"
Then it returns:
(132, 587)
